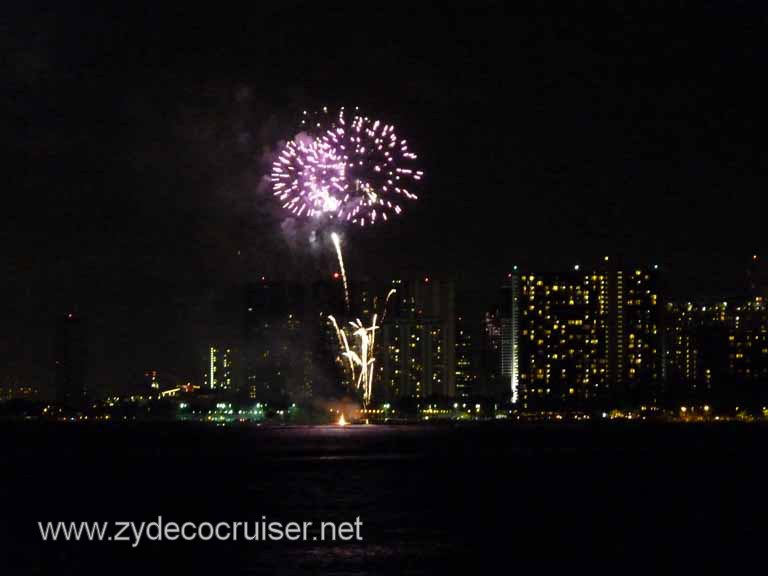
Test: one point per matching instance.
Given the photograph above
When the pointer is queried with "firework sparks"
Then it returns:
(353, 169)
(361, 355)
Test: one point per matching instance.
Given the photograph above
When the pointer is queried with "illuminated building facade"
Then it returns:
(573, 337)
(682, 354)
(696, 348)
(716, 349)
(219, 373)
(748, 342)
(635, 318)
(563, 352)
(466, 369)
(418, 341)
(510, 336)
(748, 332)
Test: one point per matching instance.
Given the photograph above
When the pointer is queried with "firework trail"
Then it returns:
(337, 244)
(354, 169)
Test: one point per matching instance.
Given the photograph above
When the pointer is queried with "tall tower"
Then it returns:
(510, 335)
(635, 337)
(466, 374)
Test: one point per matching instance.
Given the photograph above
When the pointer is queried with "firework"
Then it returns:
(349, 168)
(360, 355)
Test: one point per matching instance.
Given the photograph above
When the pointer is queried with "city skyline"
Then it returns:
(488, 366)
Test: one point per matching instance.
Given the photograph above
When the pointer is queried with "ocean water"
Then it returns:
(480, 498)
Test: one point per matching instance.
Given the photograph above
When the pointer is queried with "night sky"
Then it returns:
(136, 140)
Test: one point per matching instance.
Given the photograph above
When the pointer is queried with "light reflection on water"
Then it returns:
(432, 500)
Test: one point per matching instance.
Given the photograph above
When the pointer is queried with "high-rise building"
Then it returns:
(219, 375)
(557, 347)
(287, 345)
(681, 344)
(466, 367)
(576, 336)
(636, 343)
(491, 384)
(695, 348)
(418, 341)
(510, 335)
(716, 351)
(748, 342)
(271, 316)
(70, 360)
